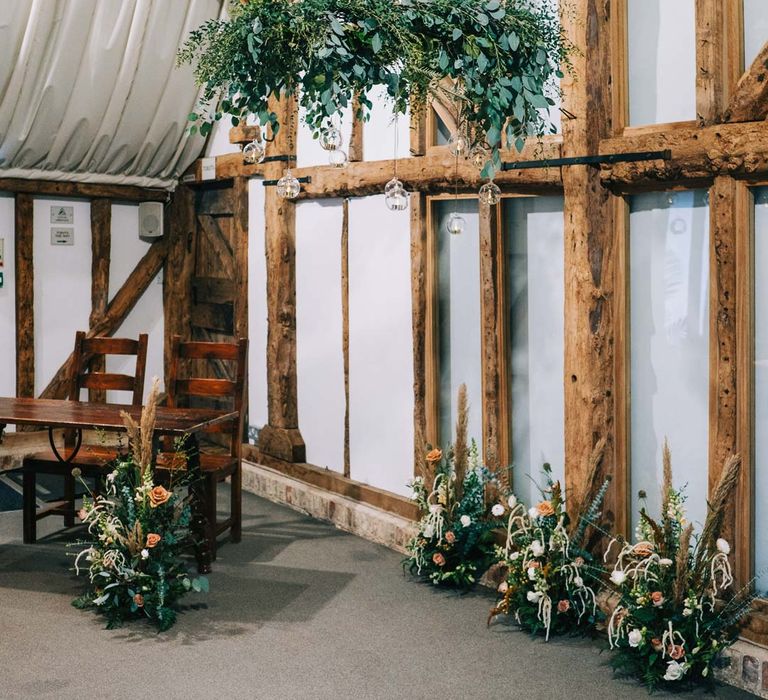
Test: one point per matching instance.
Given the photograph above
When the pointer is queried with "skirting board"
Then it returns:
(368, 522)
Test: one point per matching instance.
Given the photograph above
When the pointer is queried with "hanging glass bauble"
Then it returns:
(337, 158)
(330, 139)
(288, 187)
(490, 193)
(458, 144)
(479, 155)
(455, 225)
(253, 152)
(395, 196)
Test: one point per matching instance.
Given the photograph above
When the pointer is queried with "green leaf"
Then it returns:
(493, 136)
(376, 43)
(193, 117)
(456, 34)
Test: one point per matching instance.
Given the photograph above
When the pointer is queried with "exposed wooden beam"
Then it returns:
(355, 151)
(244, 134)
(101, 249)
(719, 56)
(419, 255)
(129, 193)
(117, 311)
(25, 296)
(281, 437)
(750, 98)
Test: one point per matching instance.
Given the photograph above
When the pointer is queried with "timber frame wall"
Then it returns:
(725, 149)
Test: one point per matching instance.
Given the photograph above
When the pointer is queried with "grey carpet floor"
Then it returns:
(297, 610)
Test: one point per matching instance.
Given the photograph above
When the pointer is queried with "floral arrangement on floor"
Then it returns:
(670, 623)
(550, 580)
(137, 531)
(454, 545)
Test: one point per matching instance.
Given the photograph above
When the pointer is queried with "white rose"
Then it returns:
(465, 520)
(533, 512)
(503, 587)
(634, 638)
(723, 546)
(533, 596)
(512, 501)
(532, 573)
(144, 553)
(665, 562)
(537, 548)
(687, 612)
(435, 508)
(514, 556)
(429, 531)
(675, 671)
(618, 576)
(497, 510)
(578, 581)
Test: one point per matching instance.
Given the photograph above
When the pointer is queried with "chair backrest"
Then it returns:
(82, 376)
(182, 386)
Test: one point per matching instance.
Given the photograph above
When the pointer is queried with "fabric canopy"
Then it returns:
(89, 89)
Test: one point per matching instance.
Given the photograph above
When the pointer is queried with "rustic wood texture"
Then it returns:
(240, 253)
(345, 327)
(419, 130)
(101, 249)
(419, 252)
(25, 295)
(117, 310)
(719, 56)
(281, 437)
(355, 151)
(749, 101)
(431, 332)
(590, 216)
(128, 193)
(244, 133)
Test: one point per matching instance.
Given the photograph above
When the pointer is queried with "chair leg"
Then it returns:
(69, 497)
(30, 506)
(236, 505)
(210, 512)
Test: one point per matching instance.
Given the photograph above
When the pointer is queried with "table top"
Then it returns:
(55, 413)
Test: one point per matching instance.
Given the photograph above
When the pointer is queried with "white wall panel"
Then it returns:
(319, 351)
(7, 301)
(755, 28)
(662, 61)
(379, 132)
(669, 331)
(62, 287)
(380, 345)
(535, 269)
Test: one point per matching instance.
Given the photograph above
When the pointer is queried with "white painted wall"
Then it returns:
(380, 345)
(662, 61)
(319, 354)
(7, 301)
(379, 133)
(755, 28)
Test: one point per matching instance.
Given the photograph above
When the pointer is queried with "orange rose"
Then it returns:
(82, 514)
(533, 564)
(563, 606)
(450, 537)
(158, 496)
(438, 559)
(657, 644)
(152, 539)
(435, 455)
(139, 600)
(657, 598)
(676, 651)
(545, 508)
(643, 549)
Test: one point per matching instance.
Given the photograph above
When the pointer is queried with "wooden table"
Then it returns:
(81, 415)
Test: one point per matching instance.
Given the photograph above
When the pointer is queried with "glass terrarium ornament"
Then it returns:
(479, 156)
(288, 187)
(337, 158)
(395, 195)
(253, 152)
(330, 139)
(458, 144)
(455, 225)
(490, 193)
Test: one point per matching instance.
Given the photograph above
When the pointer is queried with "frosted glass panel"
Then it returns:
(669, 327)
(761, 388)
(459, 316)
(535, 275)
(755, 28)
(662, 61)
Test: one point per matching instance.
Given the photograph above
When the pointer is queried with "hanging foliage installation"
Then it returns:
(496, 60)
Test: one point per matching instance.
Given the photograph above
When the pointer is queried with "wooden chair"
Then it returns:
(182, 389)
(90, 459)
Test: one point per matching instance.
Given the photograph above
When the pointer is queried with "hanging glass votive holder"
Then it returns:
(395, 195)
(490, 193)
(458, 144)
(288, 187)
(456, 224)
(330, 139)
(337, 158)
(254, 152)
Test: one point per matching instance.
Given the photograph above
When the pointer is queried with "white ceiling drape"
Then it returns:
(89, 89)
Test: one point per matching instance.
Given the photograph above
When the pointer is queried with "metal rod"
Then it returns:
(278, 159)
(589, 160)
(272, 183)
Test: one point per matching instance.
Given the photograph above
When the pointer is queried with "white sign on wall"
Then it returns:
(62, 236)
(62, 215)
(208, 169)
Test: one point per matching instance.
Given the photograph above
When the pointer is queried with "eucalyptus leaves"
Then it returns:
(493, 59)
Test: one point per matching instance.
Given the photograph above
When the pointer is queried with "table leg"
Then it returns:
(201, 527)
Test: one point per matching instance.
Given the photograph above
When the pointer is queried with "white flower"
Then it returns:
(503, 587)
(534, 596)
(537, 548)
(533, 512)
(618, 576)
(578, 582)
(532, 573)
(665, 562)
(634, 638)
(144, 553)
(465, 520)
(723, 546)
(111, 476)
(435, 508)
(514, 556)
(497, 510)
(512, 501)
(675, 671)
(687, 612)
(428, 531)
